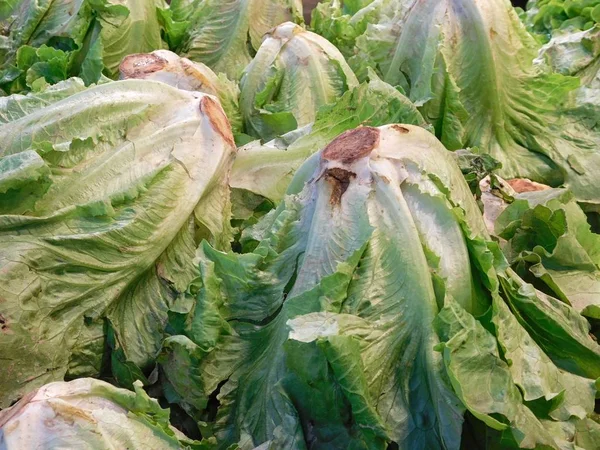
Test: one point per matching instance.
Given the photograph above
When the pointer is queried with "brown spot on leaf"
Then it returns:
(140, 64)
(3, 323)
(196, 79)
(217, 118)
(339, 180)
(400, 128)
(352, 145)
(524, 185)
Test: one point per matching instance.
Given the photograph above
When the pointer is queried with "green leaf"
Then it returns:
(571, 346)
(545, 17)
(470, 354)
(128, 28)
(20, 169)
(92, 66)
(536, 375)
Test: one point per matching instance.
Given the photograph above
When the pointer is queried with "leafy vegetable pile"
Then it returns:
(223, 228)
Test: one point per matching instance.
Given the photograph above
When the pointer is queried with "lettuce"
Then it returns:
(88, 413)
(371, 308)
(46, 41)
(104, 194)
(469, 67)
(293, 74)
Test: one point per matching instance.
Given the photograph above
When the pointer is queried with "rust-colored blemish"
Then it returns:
(400, 129)
(352, 145)
(521, 185)
(190, 69)
(140, 64)
(3, 323)
(217, 118)
(340, 180)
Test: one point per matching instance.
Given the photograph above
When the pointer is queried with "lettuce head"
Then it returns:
(293, 74)
(371, 309)
(104, 194)
(88, 413)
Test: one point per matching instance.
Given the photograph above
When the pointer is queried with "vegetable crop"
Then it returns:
(226, 226)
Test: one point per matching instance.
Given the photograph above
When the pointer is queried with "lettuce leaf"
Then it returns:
(549, 238)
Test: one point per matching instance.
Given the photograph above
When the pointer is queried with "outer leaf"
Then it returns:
(536, 375)
(471, 354)
(549, 236)
(571, 347)
(575, 53)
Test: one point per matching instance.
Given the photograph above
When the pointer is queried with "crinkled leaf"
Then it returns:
(548, 234)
